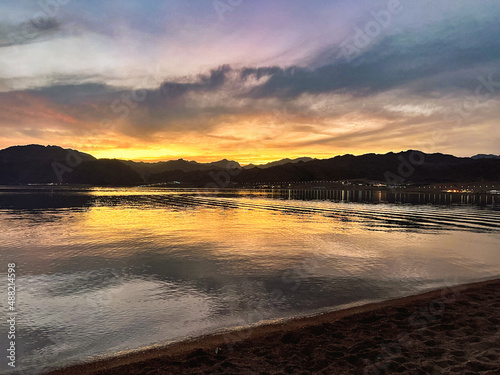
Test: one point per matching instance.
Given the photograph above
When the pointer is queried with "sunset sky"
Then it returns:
(250, 80)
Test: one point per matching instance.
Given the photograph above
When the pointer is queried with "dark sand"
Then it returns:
(449, 331)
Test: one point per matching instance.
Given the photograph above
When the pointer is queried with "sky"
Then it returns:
(250, 80)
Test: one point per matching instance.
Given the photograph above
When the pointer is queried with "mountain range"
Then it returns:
(278, 162)
(36, 164)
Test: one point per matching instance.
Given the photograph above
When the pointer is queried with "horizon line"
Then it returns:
(242, 164)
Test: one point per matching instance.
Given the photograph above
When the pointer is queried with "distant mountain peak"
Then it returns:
(486, 156)
(284, 161)
(40, 153)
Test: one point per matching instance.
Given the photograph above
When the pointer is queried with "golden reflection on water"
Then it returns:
(229, 232)
(95, 263)
(258, 233)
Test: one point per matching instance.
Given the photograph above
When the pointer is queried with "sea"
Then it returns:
(104, 271)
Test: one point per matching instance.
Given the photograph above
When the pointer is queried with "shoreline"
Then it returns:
(434, 188)
(270, 344)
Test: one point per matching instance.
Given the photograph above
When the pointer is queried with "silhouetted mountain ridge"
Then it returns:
(278, 162)
(29, 153)
(51, 164)
(486, 156)
(392, 168)
(148, 169)
(35, 164)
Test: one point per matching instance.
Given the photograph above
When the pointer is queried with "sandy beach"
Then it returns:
(448, 331)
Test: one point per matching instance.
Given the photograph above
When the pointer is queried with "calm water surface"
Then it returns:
(101, 271)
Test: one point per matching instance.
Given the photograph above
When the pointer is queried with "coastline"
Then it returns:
(423, 331)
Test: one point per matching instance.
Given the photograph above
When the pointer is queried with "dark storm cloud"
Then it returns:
(210, 82)
(32, 31)
(442, 59)
(76, 93)
(439, 60)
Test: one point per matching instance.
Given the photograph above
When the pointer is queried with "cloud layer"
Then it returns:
(258, 82)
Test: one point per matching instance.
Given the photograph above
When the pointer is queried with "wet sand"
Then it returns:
(453, 330)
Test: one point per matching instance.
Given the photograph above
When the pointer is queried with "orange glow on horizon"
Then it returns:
(158, 155)
(244, 138)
